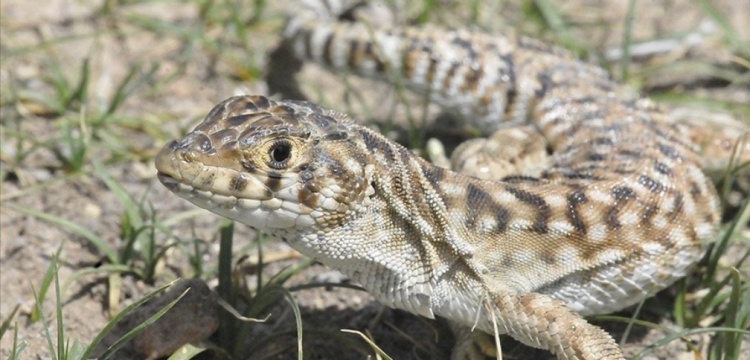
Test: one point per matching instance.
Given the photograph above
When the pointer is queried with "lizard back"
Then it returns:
(624, 196)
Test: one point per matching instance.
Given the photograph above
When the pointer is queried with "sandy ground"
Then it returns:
(186, 60)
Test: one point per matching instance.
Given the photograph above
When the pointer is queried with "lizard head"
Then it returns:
(280, 167)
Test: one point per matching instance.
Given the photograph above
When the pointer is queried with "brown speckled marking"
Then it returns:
(238, 183)
(537, 203)
(575, 199)
(649, 210)
(273, 182)
(650, 184)
(479, 202)
(622, 196)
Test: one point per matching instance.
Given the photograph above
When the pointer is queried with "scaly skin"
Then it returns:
(623, 210)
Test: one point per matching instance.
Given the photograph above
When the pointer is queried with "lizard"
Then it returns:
(622, 210)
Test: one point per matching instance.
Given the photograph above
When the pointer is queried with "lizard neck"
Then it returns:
(400, 238)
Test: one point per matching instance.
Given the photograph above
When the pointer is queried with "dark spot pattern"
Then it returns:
(479, 202)
(249, 166)
(510, 70)
(603, 141)
(238, 183)
(352, 59)
(575, 199)
(548, 258)
(649, 210)
(622, 195)
(663, 169)
(434, 175)
(695, 191)
(669, 151)
(650, 184)
(520, 179)
(543, 211)
(273, 182)
(677, 205)
(466, 45)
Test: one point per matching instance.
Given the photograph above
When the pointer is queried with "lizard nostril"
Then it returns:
(174, 145)
(188, 156)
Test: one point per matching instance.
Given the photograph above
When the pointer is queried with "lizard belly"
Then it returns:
(379, 271)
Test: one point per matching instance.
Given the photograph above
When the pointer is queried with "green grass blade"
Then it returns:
(297, 317)
(555, 21)
(730, 33)
(282, 276)
(105, 269)
(729, 342)
(133, 332)
(47, 335)
(49, 275)
(369, 341)
(17, 349)
(225, 290)
(61, 348)
(629, 328)
(133, 80)
(132, 208)
(95, 240)
(76, 351)
(686, 333)
(127, 310)
(627, 39)
(79, 93)
(6, 323)
(189, 351)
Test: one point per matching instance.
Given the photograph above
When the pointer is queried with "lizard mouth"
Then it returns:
(165, 178)
(168, 181)
(170, 162)
(271, 214)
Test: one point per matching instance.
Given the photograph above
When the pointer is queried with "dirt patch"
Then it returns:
(170, 63)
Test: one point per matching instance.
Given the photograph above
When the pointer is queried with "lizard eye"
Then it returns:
(280, 153)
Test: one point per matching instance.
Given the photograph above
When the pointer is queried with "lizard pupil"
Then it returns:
(280, 153)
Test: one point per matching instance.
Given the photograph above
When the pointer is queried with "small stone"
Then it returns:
(194, 318)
